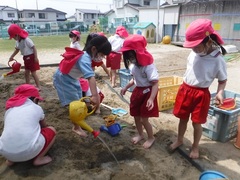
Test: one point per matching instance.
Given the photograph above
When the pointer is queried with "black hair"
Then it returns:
(34, 99)
(126, 57)
(101, 43)
(71, 35)
(89, 38)
(215, 39)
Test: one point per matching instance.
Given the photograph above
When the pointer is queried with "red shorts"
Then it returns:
(48, 134)
(138, 102)
(30, 64)
(194, 101)
(113, 60)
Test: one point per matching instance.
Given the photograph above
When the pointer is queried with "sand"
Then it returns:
(75, 157)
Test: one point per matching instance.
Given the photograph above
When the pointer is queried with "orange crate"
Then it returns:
(167, 91)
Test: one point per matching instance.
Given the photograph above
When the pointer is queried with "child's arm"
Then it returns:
(220, 91)
(124, 89)
(13, 54)
(93, 87)
(43, 123)
(35, 53)
(105, 69)
(150, 102)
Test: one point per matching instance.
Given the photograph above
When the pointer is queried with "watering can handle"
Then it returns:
(86, 97)
(11, 61)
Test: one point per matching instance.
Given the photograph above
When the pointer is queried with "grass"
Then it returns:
(43, 42)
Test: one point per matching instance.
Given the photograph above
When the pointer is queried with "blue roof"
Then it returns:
(143, 25)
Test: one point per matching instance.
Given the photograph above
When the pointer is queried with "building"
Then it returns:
(8, 15)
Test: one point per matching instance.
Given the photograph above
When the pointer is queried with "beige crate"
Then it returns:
(167, 91)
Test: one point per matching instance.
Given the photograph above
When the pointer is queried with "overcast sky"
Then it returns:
(67, 6)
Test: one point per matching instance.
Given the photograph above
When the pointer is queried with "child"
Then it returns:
(75, 38)
(114, 58)
(77, 64)
(25, 134)
(28, 50)
(96, 62)
(205, 63)
(143, 101)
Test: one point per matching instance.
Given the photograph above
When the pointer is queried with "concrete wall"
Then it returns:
(225, 16)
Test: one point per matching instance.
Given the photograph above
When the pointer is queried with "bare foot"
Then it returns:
(148, 143)
(174, 146)
(42, 160)
(194, 154)
(136, 139)
(9, 163)
(98, 111)
(79, 131)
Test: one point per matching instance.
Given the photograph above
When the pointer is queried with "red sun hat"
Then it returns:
(14, 30)
(197, 31)
(138, 43)
(121, 31)
(21, 94)
(77, 33)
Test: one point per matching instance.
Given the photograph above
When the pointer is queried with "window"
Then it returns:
(30, 15)
(11, 15)
(92, 16)
(80, 15)
(41, 16)
(146, 3)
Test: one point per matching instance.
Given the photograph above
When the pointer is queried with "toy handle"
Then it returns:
(86, 97)
(11, 61)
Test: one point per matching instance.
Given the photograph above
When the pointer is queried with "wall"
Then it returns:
(225, 16)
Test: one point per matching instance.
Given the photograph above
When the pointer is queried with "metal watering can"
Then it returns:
(78, 111)
(16, 66)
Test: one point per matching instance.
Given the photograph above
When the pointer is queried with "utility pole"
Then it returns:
(37, 4)
(157, 31)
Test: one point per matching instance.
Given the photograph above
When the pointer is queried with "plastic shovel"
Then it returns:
(117, 111)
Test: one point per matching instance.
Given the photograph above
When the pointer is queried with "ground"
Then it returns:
(76, 157)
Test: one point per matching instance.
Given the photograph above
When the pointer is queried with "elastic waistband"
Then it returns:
(194, 87)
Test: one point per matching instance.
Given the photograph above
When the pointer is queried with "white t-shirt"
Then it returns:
(25, 46)
(143, 75)
(116, 42)
(75, 45)
(201, 71)
(21, 139)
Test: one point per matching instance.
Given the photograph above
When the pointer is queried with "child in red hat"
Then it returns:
(27, 48)
(74, 36)
(26, 135)
(205, 63)
(113, 60)
(143, 101)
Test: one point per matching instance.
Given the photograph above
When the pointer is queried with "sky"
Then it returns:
(67, 6)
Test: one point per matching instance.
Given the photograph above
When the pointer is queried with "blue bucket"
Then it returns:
(211, 175)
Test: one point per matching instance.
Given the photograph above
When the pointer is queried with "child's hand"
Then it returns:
(123, 91)
(36, 60)
(150, 104)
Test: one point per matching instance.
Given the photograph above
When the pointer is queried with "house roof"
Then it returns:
(53, 10)
(6, 8)
(143, 25)
(89, 11)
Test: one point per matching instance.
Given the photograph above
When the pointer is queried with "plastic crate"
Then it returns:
(227, 120)
(125, 77)
(167, 91)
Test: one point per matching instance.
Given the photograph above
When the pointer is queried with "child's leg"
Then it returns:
(36, 79)
(27, 76)
(114, 77)
(182, 127)
(196, 138)
(77, 129)
(138, 137)
(149, 130)
(41, 159)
